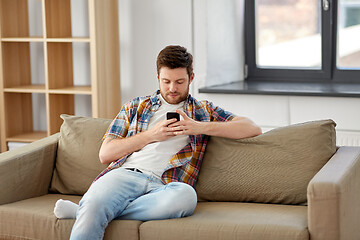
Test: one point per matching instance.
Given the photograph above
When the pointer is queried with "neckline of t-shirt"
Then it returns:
(163, 101)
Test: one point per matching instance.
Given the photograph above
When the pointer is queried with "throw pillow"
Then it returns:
(77, 162)
(274, 167)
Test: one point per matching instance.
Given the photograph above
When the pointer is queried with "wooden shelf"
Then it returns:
(27, 137)
(47, 62)
(86, 90)
(76, 39)
(27, 89)
(24, 39)
(72, 90)
(42, 39)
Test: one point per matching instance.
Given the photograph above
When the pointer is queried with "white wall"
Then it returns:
(224, 37)
(277, 111)
(145, 28)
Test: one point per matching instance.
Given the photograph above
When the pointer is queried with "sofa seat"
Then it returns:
(211, 220)
(232, 220)
(39, 222)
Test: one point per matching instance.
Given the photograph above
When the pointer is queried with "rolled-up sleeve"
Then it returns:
(120, 125)
(218, 114)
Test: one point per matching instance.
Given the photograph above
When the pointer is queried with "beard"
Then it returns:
(175, 97)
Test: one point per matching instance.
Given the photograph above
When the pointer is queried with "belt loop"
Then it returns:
(134, 170)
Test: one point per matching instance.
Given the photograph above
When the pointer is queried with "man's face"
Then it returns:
(174, 84)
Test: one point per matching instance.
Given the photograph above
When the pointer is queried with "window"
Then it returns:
(303, 40)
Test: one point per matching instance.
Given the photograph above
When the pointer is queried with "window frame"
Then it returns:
(328, 72)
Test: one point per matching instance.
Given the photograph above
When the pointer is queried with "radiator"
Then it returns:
(347, 138)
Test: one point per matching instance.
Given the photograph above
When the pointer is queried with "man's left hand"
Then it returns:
(187, 126)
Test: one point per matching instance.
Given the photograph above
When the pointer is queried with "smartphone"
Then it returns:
(171, 115)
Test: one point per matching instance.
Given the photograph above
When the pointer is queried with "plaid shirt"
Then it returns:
(185, 165)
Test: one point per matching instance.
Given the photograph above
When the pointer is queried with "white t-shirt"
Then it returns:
(154, 157)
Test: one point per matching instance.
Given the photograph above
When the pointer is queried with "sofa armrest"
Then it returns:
(26, 172)
(334, 197)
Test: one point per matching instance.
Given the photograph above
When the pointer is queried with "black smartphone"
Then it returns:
(171, 115)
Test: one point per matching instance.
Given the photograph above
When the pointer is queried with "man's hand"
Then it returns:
(187, 126)
(113, 149)
(162, 131)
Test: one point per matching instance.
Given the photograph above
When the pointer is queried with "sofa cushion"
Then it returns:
(77, 162)
(227, 220)
(274, 167)
(34, 219)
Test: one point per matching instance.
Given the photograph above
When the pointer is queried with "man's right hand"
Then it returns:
(113, 149)
(161, 131)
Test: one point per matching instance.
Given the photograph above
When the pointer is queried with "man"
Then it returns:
(154, 162)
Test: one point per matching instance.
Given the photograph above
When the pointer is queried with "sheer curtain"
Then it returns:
(225, 41)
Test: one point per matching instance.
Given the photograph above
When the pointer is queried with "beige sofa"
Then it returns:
(289, 183)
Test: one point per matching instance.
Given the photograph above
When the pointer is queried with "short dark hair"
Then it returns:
(175, 57)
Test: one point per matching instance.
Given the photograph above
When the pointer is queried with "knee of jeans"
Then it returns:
(183, 198)
(94, 208)
(183, 190)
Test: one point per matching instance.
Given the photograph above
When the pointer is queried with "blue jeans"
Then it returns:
(125, 194)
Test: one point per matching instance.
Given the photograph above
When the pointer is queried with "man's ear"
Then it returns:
(192, 77)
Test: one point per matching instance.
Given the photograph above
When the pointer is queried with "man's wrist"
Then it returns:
(147, 137)
(204, 128)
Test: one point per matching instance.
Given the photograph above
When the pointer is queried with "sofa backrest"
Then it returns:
(274, 167)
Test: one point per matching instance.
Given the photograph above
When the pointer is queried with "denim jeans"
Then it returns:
(125, 194)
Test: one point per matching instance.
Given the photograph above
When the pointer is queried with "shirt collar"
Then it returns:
(154, 99)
